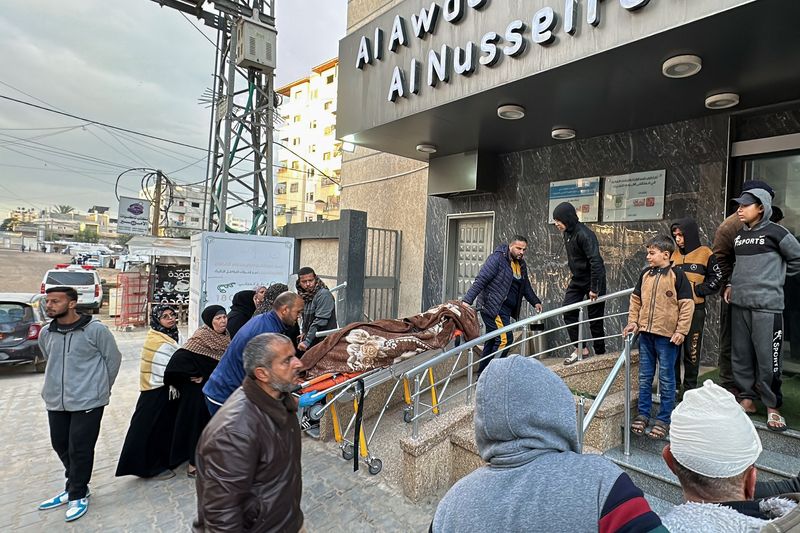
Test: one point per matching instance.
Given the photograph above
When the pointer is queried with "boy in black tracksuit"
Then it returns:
(700, 266)
(588, 277)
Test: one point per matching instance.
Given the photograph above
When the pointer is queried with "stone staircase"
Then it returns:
(779, 460)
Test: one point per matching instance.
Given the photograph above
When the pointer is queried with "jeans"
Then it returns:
(73, 435)
(657, 350)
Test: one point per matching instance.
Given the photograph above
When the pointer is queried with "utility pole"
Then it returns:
(157, 204)
(240, 171)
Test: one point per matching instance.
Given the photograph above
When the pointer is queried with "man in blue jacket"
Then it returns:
(502, 283)
(229, 373)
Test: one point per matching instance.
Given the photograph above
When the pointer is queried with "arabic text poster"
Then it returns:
(638, 196)
(583, 193)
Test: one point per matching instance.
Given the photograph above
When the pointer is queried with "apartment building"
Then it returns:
(309, 157)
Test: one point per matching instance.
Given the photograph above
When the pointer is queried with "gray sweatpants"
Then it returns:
(756, 339)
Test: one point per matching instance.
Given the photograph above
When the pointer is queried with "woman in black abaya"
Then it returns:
(242, 308)
(188, 370)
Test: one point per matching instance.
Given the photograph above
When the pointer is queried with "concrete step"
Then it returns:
(771, 464)
(659, 506)
(787, 442)
(649, 472)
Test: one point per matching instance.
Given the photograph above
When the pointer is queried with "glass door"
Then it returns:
(782, 172)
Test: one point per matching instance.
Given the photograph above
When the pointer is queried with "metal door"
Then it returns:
(382, 273)
(469, 243)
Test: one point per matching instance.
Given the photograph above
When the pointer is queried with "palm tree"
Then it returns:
(64, 209)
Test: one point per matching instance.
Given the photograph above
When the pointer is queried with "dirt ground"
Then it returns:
(23, 272)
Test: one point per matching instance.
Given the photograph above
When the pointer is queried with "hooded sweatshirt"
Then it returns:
(765, 255)
(525, 428)
(583, 252)
(82, 363)
(732, 517)
(696, 261)
(242, 309)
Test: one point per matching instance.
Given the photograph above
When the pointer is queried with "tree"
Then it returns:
(87, 235)
(64, 209)
(8, 224)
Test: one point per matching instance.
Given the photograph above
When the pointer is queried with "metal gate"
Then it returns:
(133, 289)
(469, 243)
(382, 273)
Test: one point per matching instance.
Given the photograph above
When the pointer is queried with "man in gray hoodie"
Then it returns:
(82, 363)
(526, 430)
(765, 254)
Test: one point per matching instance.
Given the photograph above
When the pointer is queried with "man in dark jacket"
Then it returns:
(588, 277)
(319, 310)
(249, 476)
(701, 269)
(229, 373)
(82, 363)
(503, 283)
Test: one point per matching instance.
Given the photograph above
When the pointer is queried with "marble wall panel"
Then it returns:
(694, 154)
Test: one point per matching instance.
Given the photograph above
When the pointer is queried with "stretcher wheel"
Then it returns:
(375, 466)
(347, 452)
(315, 411)
(408, 416)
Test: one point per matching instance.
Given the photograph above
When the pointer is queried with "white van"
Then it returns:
(82, 278)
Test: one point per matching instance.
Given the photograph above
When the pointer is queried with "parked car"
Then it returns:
(82, 278)
(22, 317)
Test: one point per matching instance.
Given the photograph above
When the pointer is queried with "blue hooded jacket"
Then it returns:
(494, 281)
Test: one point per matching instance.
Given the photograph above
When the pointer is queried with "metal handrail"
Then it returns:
(419, 370)
(584, 421)
(511, 327)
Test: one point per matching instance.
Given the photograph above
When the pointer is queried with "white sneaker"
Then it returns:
(59, 500)
(76, 509)
(573, 358)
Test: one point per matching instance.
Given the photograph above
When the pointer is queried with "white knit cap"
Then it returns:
(711, 434)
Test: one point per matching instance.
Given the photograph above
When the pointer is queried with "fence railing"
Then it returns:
(464, 365)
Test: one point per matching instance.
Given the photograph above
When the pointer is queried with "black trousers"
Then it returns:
(725, 370)
(499, 343)
(575, 294)
(73, 435)
(690, 352)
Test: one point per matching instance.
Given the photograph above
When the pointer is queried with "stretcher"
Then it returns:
(321, 394)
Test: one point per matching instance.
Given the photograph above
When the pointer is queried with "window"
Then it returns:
(280, 209)
(328, 105)
(330, 79)
(180, 203)
(195, 219)
(297, 118)
(315, 93)
(280, 188)
(295, 141)
(295, 165)
(309, 219)
(313, 124)
(326, 156)
(195, 204)
(294, 187)
(330, 129)
(298, 94)
(312, 149)
(291, 210)
(70, 278)
(285, 118)
(309, 197)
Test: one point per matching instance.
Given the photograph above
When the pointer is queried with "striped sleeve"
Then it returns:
(626, 511)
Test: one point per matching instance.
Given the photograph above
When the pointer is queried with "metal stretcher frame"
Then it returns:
(372, 379)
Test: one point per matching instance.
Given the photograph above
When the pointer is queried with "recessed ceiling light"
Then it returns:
(681, 66)
(563, 134)
(722, 101)
(426, 148)
(511, 112)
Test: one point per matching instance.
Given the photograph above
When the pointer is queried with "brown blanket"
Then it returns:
(363, 346)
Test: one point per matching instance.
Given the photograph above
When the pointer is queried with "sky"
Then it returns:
(128, 63)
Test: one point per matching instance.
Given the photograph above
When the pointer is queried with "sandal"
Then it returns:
(659, 431)
(639, 425)
(779, 422)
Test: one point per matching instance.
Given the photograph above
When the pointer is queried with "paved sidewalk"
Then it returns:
(334, 497)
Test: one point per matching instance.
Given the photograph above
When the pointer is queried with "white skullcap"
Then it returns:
(711, 434)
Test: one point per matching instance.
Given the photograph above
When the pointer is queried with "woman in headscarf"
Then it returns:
(262, 304)
(145, 452)
(188, 370)
(242, 308)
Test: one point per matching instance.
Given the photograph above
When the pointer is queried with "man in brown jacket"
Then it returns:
(723, 251)
(248, 457)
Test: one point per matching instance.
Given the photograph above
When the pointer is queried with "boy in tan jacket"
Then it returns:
(661, 311)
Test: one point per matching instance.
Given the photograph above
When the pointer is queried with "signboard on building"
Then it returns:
(583, 193)
(134, 216)
(638, 196)
(171, 284)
